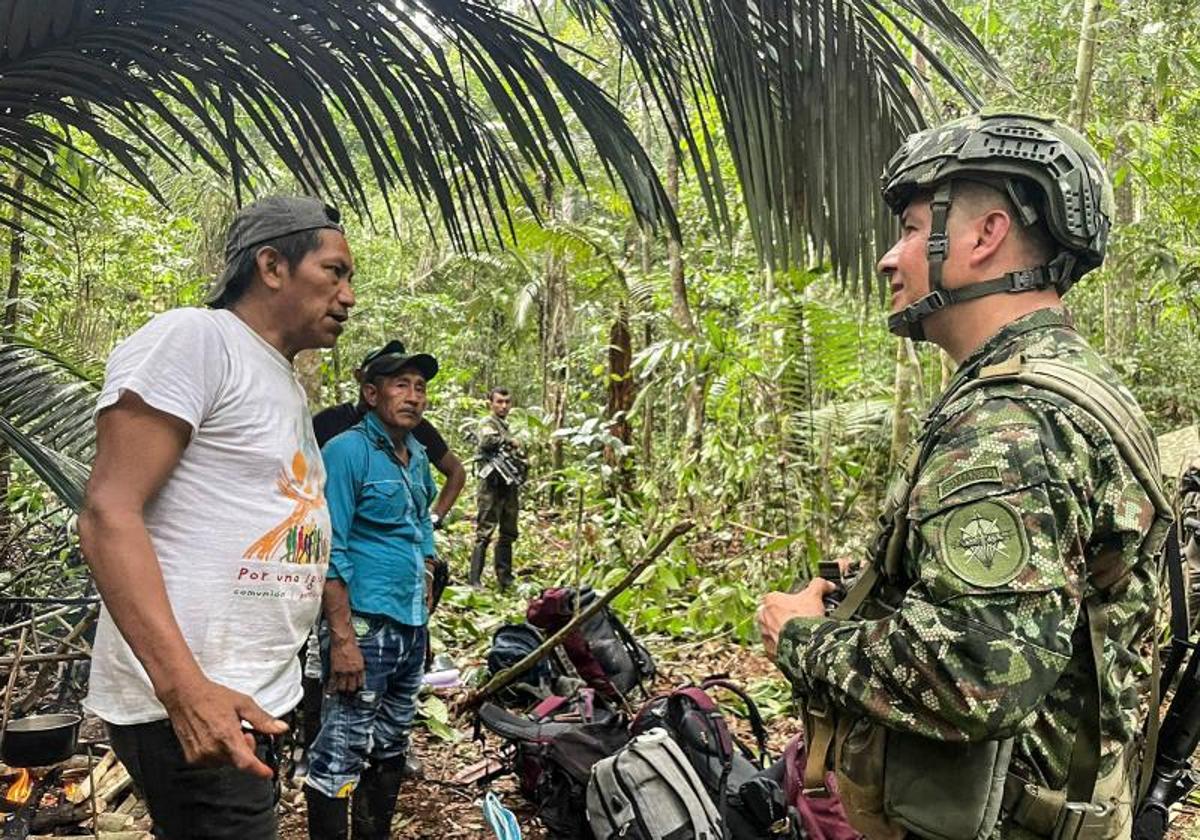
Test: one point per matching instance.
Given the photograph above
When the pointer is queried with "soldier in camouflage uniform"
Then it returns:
(1010, 606)
(499, 493)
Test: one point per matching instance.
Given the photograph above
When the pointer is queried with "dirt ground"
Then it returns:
(435, 807)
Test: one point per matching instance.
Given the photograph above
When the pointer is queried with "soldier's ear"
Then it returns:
(988, 233)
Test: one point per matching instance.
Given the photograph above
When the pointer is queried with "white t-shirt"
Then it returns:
(240, 528)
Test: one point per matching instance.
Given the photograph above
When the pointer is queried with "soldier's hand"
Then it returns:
(778, 608)
(346, 667)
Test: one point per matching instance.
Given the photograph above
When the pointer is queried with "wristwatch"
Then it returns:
(436, 521)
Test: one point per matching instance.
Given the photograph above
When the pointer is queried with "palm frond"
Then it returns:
(228, 77)
(842, 421)
(46, 407)
(813, 97)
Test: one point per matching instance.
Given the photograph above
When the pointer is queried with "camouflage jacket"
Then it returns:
(1020, 499)
(491, 433)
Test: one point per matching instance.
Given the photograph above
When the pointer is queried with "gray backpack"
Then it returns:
(649, 791)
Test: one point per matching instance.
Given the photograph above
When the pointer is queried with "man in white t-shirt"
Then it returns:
(206, 528)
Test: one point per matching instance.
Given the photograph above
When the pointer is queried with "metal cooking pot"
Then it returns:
(40, 740)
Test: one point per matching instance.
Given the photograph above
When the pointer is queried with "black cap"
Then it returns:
(385, 362)
(393, 346)
(270, 218)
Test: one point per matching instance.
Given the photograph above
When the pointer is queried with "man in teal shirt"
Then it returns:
(379, 489)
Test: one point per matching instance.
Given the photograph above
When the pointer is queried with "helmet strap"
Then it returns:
(907, 322)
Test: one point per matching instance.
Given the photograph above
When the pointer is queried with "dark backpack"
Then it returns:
(755, 803)
(552, 751)
(603, 651)
(694, 721)
(772, 804)
(510, 644)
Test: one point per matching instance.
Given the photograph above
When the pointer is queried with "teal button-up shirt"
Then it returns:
(380, 515)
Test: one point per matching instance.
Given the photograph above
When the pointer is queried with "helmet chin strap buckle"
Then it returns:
(907, 322)
(1028, 279)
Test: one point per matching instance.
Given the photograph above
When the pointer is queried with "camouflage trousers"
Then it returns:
(498, 505)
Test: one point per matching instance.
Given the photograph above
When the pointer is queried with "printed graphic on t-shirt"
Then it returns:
(298, 538)
(280, 563)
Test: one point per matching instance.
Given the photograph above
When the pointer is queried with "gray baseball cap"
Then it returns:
(270, 218)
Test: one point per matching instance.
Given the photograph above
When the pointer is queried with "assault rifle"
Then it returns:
(1173, 776)
(506, 463)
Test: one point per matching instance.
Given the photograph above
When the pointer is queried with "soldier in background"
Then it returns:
(502, 467)
(989, 669)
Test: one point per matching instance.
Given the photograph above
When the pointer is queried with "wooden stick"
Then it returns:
(114, 784)
(128, 805)
(90, 782)
(54, 613)
(49, 670)
(509, 675)
(12, 678)
(45, 657)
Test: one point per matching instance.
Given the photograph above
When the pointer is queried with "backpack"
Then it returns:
(649, 791)
(821, 817)
(510, 644)
(603, 651)
(552, 751)
(722, 763)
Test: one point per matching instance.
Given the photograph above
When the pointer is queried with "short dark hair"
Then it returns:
(501, 391)
(979, 196)
(292, 247)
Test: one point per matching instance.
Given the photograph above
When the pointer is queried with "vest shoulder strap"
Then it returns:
(1100, 400)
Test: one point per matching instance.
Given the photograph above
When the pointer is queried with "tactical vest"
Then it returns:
(893, 782)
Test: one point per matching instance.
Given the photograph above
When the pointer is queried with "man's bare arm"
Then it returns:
(137, 448)
(346, 664)
(452, 468)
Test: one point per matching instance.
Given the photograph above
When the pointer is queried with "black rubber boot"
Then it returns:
(504, 574)
(478, 557)
(326, 816)
(375, 800)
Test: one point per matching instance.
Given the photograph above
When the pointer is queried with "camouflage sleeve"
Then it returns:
(997, 520)
(488, 436)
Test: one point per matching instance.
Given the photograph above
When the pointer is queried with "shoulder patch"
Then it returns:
(985, 543)
(975, 475)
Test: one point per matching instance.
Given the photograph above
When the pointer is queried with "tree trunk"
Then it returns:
(647, 463)
(1085, 64)
(621, 390)
(947, 366)
(901, 429)
(556, 292)
(681, 311)
(308, 370)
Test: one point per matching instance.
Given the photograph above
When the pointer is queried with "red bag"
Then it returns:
(604, 654)
(822, 818)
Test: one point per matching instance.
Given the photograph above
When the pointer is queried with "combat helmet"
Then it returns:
(1048, 170)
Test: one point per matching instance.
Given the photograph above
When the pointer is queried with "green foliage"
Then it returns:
(796, 377)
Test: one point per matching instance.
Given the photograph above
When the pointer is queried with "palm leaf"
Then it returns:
(46, 405)
(228, 77)
(813, 97)
(860, 420)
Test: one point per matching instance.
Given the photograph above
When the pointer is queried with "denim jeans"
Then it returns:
(373, 723)
(188, 802)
